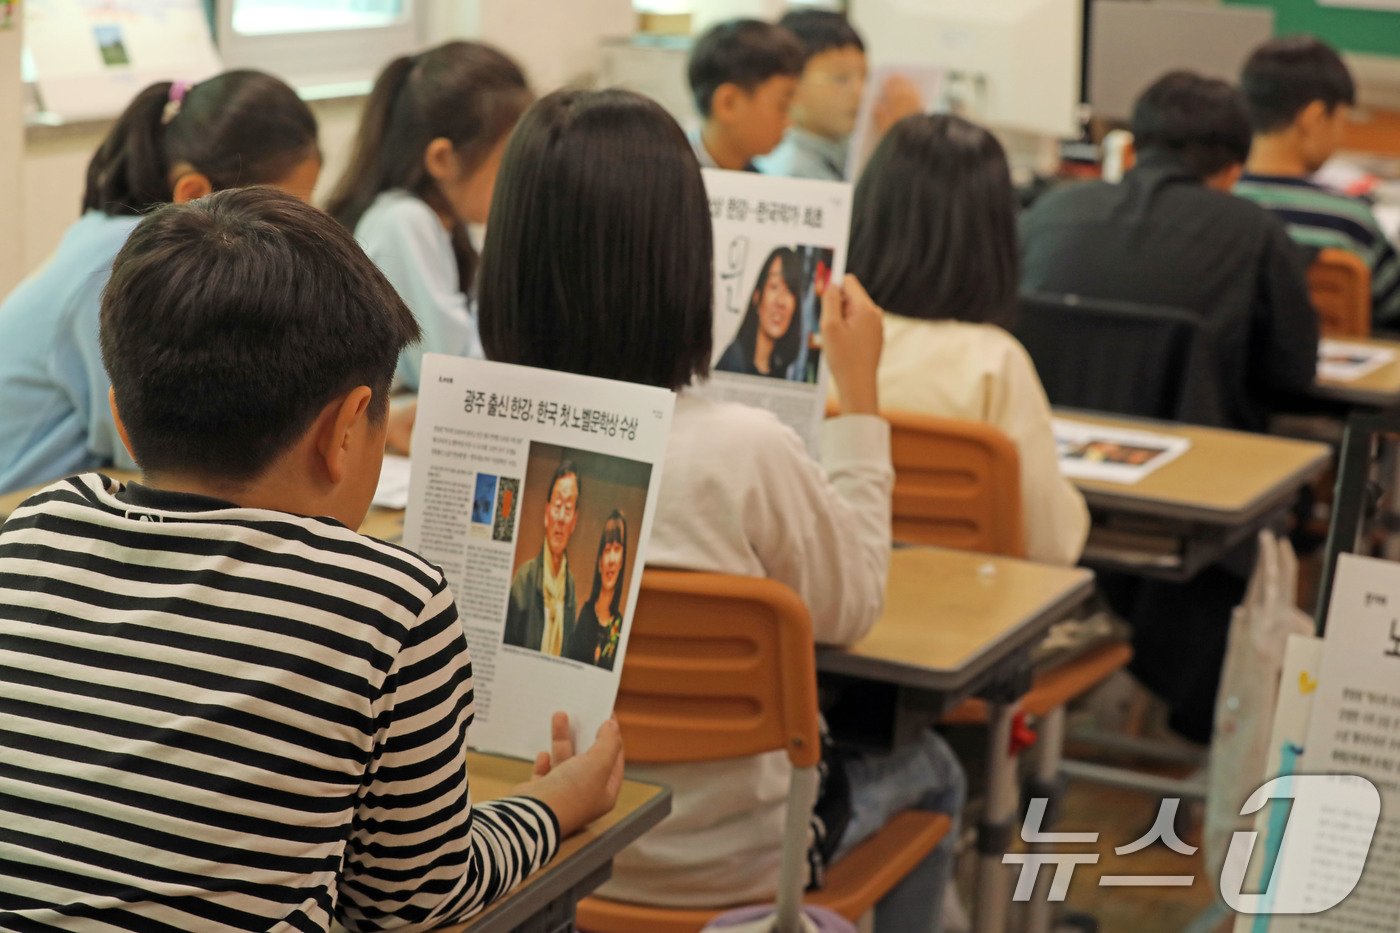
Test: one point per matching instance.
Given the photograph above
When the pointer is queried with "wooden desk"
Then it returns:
(1377, 389)
(955, 620)
(546, 901)
(1195, 509)
(955, 623)
(1373, 130)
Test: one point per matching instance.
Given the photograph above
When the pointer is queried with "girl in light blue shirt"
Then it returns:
(423, 169)
(174, 143)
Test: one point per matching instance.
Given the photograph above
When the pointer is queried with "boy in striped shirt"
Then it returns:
(220, 707)
(1299, 92)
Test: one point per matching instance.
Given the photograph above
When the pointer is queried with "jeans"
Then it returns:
(923, 775)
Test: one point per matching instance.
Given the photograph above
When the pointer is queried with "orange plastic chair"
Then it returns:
(1339, 282)
(957, 484)
(724, 666)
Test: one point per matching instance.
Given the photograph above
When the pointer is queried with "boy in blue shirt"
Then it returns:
(743, 74)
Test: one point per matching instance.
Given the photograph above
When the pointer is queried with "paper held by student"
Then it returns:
(1344, 844)
(534, 491)
(1113, 455)
(1342, 361)
(926, 80)
(779, 244)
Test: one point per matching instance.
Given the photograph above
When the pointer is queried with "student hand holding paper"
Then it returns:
(853, 334)
(578, 788)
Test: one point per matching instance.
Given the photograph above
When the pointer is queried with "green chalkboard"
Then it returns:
(1375, 32)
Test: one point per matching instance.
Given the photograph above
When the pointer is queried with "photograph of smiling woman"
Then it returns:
(599, 628)
(770, 337)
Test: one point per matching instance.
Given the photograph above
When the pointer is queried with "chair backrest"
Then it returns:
(956, 484)
(1339, 282)
(1120, 357)
(718, 666)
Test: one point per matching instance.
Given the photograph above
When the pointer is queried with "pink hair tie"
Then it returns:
(178, 90)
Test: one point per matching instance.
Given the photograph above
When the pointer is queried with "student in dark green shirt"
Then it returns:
(1298, 92)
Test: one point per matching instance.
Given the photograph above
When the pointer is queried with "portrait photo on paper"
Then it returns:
(779, 335)
(575, 553)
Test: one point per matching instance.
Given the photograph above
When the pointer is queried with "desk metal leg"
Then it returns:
(993, 897)
(1050, 749)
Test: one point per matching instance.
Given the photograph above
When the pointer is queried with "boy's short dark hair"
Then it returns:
(1201, 122)
(598, 257)
(821, 31)
(230, 322)
(745, 52)
(1283, 76)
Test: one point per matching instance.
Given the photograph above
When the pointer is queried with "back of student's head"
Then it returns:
(465, 92)
(230, 322)
(933, 227)
(598, 256)
(237, 128)
(742, 52)
(1200, 123)
(821, 31)
(1284, 76)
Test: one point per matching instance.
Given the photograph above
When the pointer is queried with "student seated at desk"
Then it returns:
(603, 278)
(743, 74)
(933, 237)
(828, 98)
(223, 708)
(1170, 234)
(1299, 94)
(423, 169)
(173, 143)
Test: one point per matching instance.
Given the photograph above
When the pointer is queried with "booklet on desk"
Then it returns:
(534, 491)
(779, 243)
(1347, 362)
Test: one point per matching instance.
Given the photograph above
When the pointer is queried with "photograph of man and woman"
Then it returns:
(574, 559)
(779, 336)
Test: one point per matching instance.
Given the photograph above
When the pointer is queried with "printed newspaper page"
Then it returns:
(1354, 730)
(1114, 455)
(779, 242)
(534, 491)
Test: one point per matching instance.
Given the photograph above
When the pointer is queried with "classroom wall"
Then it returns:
(12, 260)
(53, 159)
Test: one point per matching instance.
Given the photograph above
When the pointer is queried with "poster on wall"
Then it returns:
(90, 57)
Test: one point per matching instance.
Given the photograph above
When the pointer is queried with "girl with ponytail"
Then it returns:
(174, 143)
(423, 169)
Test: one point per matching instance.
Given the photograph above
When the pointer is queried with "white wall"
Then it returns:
(556, 41)
(12, 260)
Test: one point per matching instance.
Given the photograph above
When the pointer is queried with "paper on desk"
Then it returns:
(392, 491)
(1114, 455)
(1346, 362)
(778, 243)
(489, 442)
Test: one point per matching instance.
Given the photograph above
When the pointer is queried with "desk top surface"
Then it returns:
(639, 807)
(1379, 388)
(951, 615)
(1225, 478)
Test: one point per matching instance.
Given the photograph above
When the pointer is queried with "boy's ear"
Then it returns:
(1312, 116)
(440, 159)
(117, 420)
(725, 101)
(341, 424)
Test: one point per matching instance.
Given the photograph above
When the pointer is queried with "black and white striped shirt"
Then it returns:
(214, 717)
